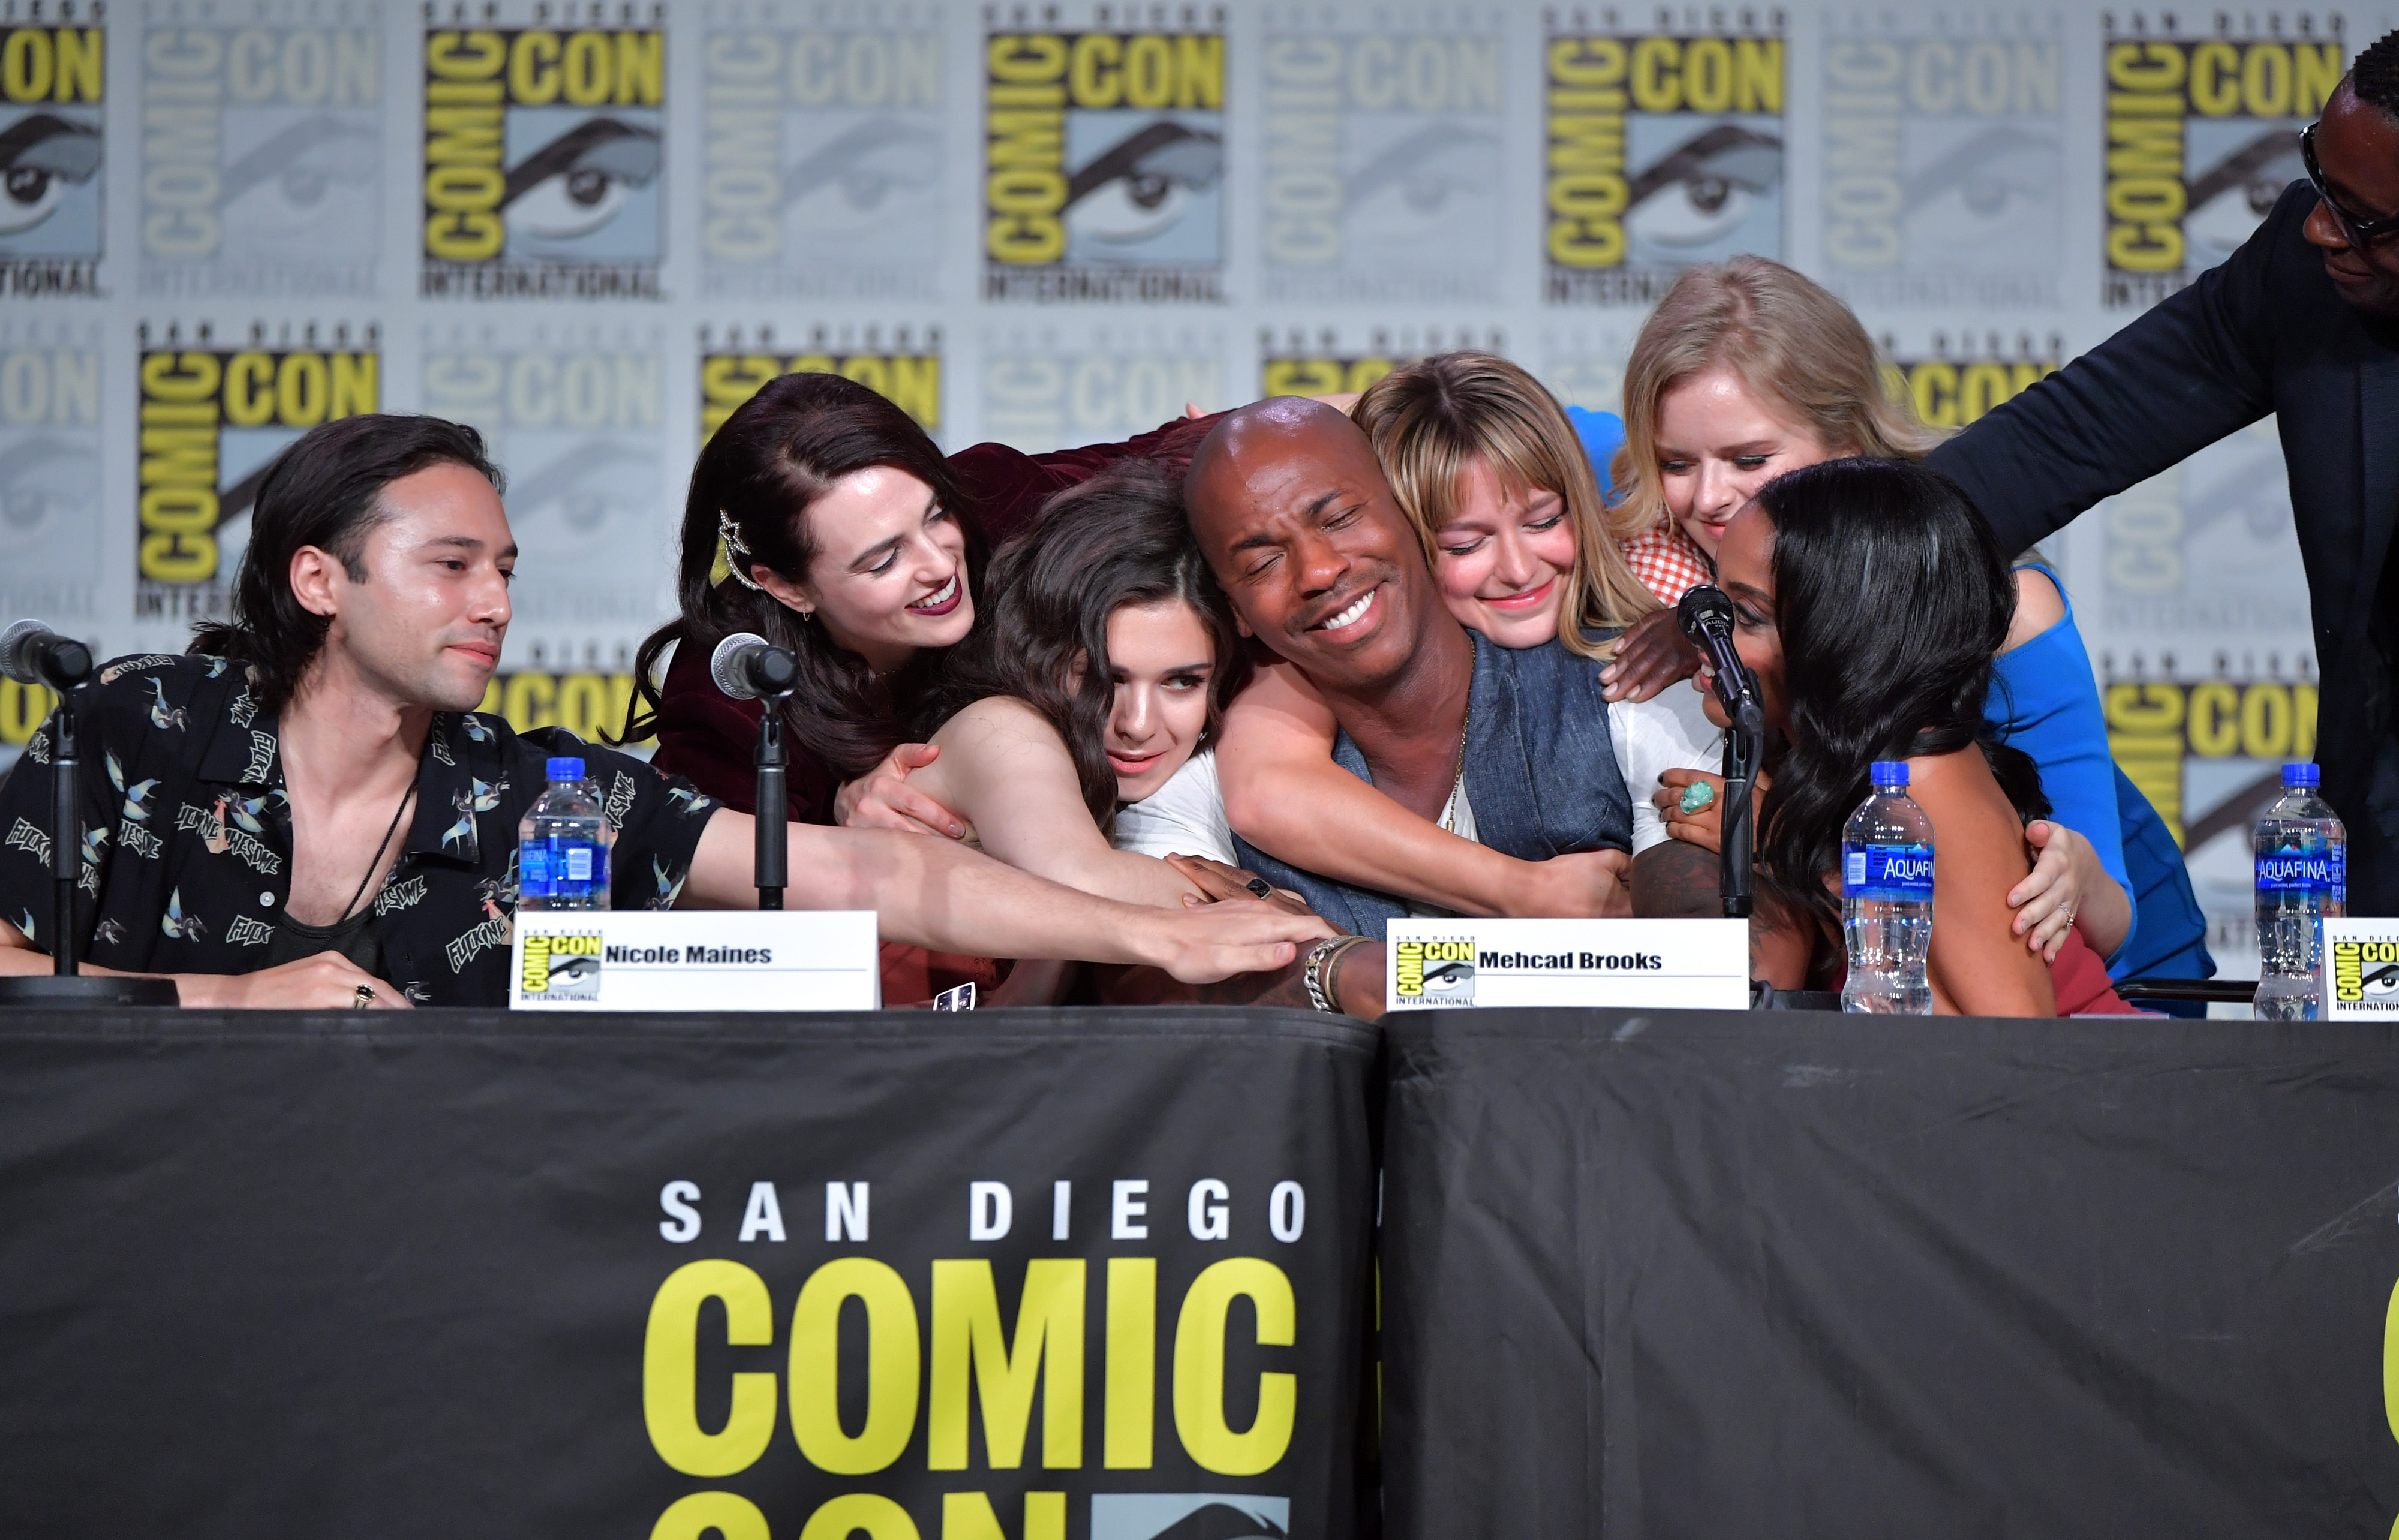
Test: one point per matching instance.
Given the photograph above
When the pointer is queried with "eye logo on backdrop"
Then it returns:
(1384, 170)
(1944, 164)
(2203, 135)
(213, 419)
(52, 86)
(49, 467)
(904, 370)
(262, 153)
(823, 165)
(1103, 164)
(576, 413)
(1662, 151)
(544, 154)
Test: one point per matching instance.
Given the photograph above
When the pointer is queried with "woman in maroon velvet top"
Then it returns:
(855, 545)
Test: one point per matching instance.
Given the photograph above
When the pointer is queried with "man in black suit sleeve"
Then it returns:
(2302, 322)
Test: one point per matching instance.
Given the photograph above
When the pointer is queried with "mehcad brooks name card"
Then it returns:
(696, 960)
(1669, 965)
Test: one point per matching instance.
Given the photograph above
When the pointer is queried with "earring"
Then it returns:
(735, 548)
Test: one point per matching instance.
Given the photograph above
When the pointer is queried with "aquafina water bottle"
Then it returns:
(1887, 898)
(563, 844)
(2302, 877)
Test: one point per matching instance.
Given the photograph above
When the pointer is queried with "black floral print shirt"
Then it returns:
(187, 833)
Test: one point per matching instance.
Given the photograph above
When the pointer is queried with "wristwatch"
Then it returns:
(1317, 972)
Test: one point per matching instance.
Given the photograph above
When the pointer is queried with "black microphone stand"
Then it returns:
(1736, 846)
(771, 862)
(65, 986)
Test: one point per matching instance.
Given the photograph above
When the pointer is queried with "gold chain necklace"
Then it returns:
(1457, 786)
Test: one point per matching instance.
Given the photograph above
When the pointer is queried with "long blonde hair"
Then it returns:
(1432, 419)
(1789, 339)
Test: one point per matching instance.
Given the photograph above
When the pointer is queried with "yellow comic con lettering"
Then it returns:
(669, 1358)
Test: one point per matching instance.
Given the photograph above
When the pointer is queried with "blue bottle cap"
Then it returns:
(2302, 775)
(1890, 773)
(565, 769)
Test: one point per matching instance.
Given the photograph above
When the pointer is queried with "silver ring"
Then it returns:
(361, 997)
(1260, 887)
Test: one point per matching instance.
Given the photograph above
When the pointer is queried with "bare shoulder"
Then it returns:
(2038, 607)
(1970, 813)
(1280, 696)
(997, 723)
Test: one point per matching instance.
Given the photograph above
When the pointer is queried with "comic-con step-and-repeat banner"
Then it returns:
(593, 228)
(1012, 1275)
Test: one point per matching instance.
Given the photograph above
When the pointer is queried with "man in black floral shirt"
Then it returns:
(306, 811)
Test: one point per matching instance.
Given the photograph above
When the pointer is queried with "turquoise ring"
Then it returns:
(1698, 797)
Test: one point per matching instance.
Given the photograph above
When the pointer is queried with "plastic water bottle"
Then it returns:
(563, 844)
(1887, 898)
(2302, 877)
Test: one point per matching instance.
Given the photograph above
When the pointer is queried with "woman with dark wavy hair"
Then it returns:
(1869, 599)
(1103, 666)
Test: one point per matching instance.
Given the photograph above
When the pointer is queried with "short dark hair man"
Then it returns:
(308, 811)
(1293, 512)
(2303, 322)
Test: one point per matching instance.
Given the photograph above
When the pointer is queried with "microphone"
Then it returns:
(747, 666)
(1705, 616)
(33, 654)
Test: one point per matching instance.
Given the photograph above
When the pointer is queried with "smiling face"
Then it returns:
(2357, 149)
(1745, 570)
(890, 568)
(422, 627)
(1291, 509)
(1718, 441)
(1160, 658)
(1504, 559)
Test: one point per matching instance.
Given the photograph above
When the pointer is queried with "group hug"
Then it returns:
(1185, 717)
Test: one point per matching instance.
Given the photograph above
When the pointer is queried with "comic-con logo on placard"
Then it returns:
(212, 420)
(901, 364)
(1662, 150)
(2201, 135)
(2363, 976)
(1433, 972)
(823, 161)
(1944, 165)
(1383, 157)
(49, 466)
(1298, 362)
(262, 150)
(544, 157)
(1103, 164)
(52, 86)
(578, 414)
(560, 967)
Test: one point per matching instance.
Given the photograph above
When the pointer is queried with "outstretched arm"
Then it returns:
(932, 893)
(1003, 767)
(1284, 795)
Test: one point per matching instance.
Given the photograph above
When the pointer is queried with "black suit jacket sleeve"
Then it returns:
(2194, 369)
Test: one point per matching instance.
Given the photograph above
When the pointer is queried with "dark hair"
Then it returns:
(778, 453)
(1120, 538)
(325, 491)
(2373, 79)
(1891, 597)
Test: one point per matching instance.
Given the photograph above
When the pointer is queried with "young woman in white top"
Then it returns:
(1104, 664)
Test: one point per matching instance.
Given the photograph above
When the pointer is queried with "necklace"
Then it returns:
(1457, 786)
(376, 860)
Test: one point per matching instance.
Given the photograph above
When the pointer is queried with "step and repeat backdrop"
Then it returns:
(592, 229)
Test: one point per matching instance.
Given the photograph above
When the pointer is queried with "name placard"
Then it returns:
(2361, 969)
(1666, 964)
(695, 960)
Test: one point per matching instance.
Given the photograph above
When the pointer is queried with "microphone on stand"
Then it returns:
(33, 654)
(748, 667)
(1705, 616)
